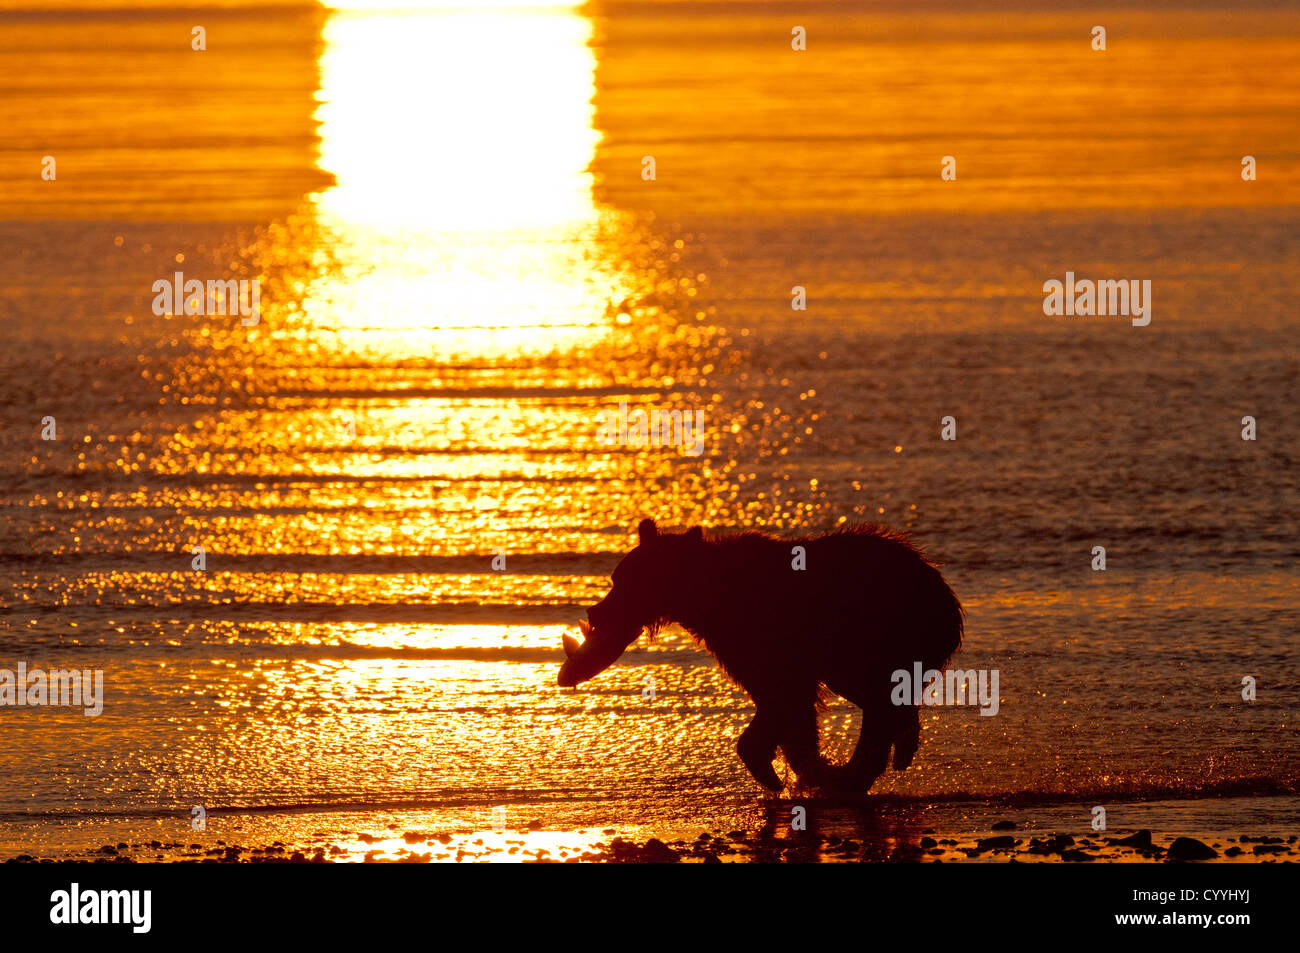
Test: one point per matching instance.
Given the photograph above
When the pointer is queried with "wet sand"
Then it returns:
(582, 846)
(836, 831)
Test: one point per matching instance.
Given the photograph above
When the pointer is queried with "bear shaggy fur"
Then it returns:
(866, 604)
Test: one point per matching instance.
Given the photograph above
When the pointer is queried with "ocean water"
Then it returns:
(462, 267)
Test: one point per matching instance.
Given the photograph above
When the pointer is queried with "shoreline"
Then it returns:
(1261, 830)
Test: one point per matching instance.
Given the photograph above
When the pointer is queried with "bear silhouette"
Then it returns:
(865, 604)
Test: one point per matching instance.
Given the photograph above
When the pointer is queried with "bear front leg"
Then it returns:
(757, 747)
(907, 735)
(800, 740)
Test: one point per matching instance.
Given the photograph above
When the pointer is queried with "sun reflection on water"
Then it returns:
(460, 139)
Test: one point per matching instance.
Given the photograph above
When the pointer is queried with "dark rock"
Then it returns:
(928, 842)
(653, 852)
(656, 851)
(1189, 848)
(906, 853)
(1141, 839)
(1075, 856)
(1052, 845)
(1001, 842)
(1004, 825)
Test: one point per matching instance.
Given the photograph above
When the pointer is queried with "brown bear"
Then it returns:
(842, 613)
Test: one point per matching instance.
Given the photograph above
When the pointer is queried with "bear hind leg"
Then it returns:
(882, 728)
(869, 760)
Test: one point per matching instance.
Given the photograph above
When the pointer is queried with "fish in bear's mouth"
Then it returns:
(571, 645)
(586, 659)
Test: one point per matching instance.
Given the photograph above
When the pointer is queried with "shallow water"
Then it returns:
(461, 267)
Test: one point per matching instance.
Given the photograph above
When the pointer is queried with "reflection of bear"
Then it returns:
(865, 604)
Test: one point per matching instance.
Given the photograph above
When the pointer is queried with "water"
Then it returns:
(462, 266)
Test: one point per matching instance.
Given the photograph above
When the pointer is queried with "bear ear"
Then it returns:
(695, 534)
(646, 530)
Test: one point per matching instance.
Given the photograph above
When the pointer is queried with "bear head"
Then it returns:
(646, 583)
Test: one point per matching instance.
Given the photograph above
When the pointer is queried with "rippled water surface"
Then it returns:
(461, 267)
